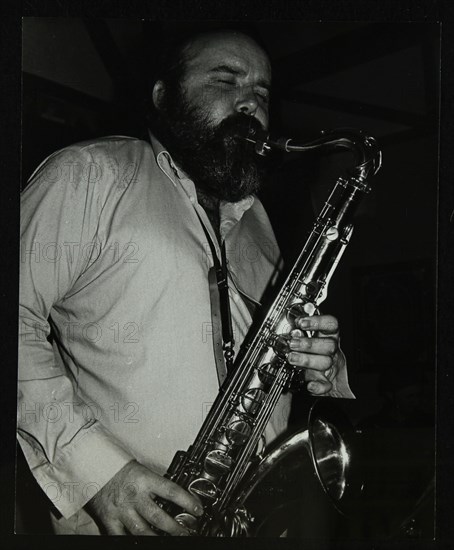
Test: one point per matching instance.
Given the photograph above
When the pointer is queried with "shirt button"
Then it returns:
(192, 199)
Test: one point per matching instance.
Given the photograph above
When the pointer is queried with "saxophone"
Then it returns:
(222, 466)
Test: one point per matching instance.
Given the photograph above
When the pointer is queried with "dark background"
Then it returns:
(88, 78)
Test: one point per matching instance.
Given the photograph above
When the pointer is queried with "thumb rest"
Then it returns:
(222, 466)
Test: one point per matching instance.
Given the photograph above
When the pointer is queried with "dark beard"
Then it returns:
(220, 164)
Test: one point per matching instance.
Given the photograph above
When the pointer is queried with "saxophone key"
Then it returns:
(203, 488)
(252, 399)
(300, 309)
(238, 432)
(188, 521)
(177, 463)
(332, 233)
(280, 344)
(267, 373)
(218, 463)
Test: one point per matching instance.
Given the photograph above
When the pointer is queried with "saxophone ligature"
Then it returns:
(221, 466)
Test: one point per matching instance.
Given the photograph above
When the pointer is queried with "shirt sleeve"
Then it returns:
(70, 453)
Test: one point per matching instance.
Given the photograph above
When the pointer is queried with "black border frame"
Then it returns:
(10, 114)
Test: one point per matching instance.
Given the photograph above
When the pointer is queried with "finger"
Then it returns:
(171, 491)
(323, 324)
(310, 361)
(114, 528)
(137, 525)
(317, 382)
(319, 387)
(160, 519)
(311, 375)
(318, 346)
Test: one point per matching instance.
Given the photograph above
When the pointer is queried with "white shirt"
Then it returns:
(114, 255)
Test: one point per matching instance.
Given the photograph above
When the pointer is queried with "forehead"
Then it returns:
(236, 50)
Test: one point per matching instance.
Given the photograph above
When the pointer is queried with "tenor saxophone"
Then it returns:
(221, 466)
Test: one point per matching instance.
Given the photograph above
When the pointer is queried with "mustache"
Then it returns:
(237, 125)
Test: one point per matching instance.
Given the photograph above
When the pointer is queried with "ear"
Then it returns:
(158, 91)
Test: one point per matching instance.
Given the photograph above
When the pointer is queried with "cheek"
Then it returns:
(218, 111)
(219, 104)
(214, 105)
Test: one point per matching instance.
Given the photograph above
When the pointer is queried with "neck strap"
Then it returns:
(221, 271)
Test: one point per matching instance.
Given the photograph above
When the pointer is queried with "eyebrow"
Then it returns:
(238, 72)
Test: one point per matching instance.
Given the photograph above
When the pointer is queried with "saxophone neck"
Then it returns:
(364, 147)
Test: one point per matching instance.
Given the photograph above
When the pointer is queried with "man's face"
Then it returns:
(223, 92)
(228, 74)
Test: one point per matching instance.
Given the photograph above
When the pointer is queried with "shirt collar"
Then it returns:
(230, 212)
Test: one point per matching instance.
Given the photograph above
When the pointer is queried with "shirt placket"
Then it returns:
(231, 217)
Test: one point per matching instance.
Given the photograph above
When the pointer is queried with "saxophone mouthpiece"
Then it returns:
(263, 142)
(259, 138)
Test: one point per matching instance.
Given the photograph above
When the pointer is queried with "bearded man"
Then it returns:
(118, 240)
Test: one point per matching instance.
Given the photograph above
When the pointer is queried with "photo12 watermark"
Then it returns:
(69, 412)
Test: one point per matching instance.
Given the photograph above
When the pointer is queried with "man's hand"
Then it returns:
(320, 355)
(125, 505)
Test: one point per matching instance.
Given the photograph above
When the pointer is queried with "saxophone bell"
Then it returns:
(334, 447)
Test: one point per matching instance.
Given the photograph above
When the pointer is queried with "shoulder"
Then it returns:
(97, 147)
(92, 161)
(114, 158)
(106, 143)
(108, 148)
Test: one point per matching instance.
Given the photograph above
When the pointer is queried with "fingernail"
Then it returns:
(293, 344)
(184, 534)
(304, 323)
(291, 357)
(198, 510)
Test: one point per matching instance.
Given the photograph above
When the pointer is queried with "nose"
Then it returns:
(247, 103)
